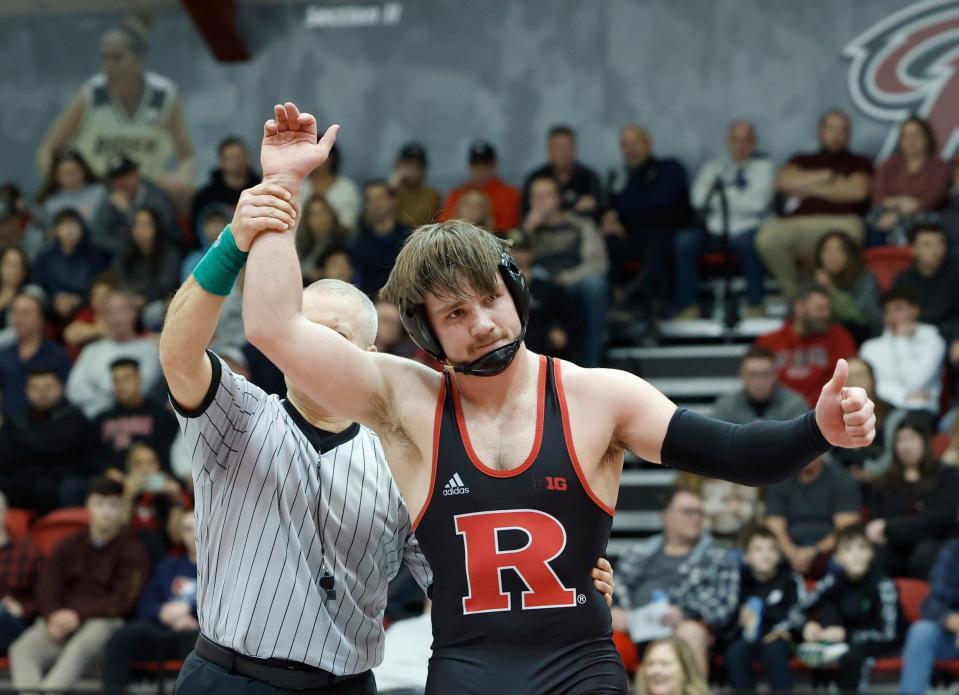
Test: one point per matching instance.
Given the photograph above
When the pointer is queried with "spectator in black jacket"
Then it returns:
(43, 447)
(379, 238)
(578, 185)
(233, 174)
(768, 584)
(133, 418)
(913, 506)
(649, 202)
(934, 274)
(856, 607)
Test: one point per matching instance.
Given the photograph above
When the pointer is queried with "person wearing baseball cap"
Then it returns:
(416, 203)
(483, 177)
(128, 190)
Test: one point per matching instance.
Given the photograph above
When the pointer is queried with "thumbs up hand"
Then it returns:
(845, 414)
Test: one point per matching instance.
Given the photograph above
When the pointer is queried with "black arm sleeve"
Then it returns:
(760, 453)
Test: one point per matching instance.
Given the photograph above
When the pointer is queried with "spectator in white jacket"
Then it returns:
(746, 178)
(908, 358)
(90, 385)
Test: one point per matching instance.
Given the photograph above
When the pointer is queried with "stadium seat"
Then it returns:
(912, 592)
(886, 262)
(627, 651)
(18, 522)
(57, 525)
(939, 443)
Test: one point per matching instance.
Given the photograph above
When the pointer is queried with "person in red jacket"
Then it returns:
(503, 198)
(89, 584)
(808, 346)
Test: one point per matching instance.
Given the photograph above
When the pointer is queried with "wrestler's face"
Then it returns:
(469, 327)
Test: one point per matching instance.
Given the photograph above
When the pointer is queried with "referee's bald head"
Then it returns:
(342, 307)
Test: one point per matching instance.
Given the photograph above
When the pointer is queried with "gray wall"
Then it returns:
(452, 70)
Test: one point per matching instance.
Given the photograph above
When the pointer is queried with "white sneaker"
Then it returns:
(819, 654)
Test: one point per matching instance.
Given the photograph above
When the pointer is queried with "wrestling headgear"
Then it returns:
(417, 324)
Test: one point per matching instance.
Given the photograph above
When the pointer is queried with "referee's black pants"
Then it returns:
(201, 677)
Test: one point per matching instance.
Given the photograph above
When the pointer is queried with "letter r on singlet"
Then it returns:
(485, 562)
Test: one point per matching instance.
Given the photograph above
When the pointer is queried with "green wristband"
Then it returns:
(221, 265)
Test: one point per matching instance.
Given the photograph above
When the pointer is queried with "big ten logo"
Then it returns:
(555, 483)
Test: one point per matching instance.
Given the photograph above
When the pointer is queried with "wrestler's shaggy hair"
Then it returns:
(453, 259)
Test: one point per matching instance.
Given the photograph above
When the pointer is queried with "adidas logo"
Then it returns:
(455, 486)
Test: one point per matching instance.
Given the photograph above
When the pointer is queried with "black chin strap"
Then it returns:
(493, 362)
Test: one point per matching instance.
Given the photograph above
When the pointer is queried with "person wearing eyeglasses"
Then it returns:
(684, 566)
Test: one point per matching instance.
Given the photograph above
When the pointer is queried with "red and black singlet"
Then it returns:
(514, 606)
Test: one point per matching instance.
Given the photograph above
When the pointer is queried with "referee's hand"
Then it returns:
(264, 208)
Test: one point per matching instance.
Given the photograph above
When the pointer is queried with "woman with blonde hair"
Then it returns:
(669, 668)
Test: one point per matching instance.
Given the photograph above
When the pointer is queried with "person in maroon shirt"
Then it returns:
(808, 346)
(87, 586)
(821, 191)
(911, 182)
(19, 560)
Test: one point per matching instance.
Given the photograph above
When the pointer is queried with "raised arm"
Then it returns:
(334, 373)
(338, 376)
(193, 314)
(760, 453)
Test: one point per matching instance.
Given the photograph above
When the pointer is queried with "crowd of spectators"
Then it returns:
(807, 567)
(89, 262)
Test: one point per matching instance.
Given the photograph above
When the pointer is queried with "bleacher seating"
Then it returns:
(57, 525)
(886, 262)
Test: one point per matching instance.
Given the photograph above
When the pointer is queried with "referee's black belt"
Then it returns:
(291, 675)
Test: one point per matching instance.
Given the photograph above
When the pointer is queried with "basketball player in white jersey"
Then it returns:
(126, 110)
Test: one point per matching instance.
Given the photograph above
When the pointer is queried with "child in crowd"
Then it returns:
(857, 615)
(768, 591)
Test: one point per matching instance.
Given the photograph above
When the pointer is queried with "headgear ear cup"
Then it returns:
(417, 324)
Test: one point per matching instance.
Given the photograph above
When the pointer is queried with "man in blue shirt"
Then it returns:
(30, 351)
(648, 203)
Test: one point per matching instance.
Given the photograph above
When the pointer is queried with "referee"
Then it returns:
(300, 526)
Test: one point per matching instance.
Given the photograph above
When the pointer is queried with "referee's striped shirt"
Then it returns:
(269, 503)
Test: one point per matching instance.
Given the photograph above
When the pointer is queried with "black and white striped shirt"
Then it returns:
(269, 505)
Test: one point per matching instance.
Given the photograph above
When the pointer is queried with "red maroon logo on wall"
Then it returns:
(908, 63)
